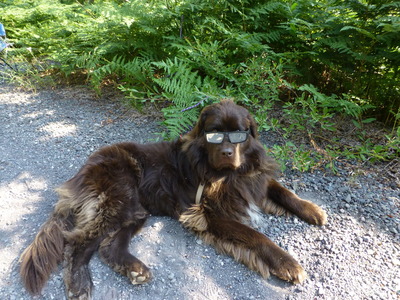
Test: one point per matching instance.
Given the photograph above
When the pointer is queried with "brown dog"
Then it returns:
(211, 180)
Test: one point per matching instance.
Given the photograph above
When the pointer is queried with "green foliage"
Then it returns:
(136, 76)
(326, 59)
(185, 88)
(312, 110)
(303, 159)
(351, 47)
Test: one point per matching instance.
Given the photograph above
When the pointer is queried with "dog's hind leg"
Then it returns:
(114, 251)
(77, 277)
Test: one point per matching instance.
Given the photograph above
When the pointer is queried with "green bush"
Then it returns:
(319, 59)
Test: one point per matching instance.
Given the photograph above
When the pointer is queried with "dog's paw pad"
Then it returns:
(140, 278)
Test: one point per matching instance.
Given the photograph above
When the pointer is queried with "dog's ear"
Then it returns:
(198, 129)
(253, 126)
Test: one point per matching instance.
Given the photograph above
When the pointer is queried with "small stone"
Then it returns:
(348, 198)
(396, 262)
(320, 291)
(171, 276)
(298, 289)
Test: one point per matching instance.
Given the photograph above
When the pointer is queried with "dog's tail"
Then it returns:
(41, 257)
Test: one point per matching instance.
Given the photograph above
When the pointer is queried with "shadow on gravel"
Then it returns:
(45, 139)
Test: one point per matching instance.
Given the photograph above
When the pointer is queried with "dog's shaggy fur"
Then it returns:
(109, 199)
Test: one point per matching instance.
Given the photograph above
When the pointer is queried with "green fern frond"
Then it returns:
(185, 88)
(359, 30)
(178, 122)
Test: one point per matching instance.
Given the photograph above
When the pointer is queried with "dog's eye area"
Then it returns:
(215, 137)
(234, 137)
(238, 136)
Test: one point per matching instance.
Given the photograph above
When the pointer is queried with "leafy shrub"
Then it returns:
(325, 59)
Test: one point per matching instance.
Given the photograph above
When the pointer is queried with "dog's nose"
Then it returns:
(228, 152)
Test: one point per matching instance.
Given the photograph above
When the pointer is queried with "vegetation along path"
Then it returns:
(46, 136)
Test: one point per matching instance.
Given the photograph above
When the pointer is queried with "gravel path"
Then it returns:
(46, 137)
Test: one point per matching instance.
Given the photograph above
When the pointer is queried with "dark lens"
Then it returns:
(237, 137)
(215, 137)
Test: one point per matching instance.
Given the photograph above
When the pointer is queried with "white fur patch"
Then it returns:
(255, 214)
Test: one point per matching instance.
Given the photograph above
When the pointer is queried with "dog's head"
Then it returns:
(225, 136)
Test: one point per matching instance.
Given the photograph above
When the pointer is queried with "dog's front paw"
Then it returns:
(289, 270)
(313, 214)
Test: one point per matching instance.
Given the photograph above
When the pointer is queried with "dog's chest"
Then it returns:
(255, 214)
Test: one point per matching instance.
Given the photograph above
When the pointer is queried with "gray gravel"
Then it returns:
(46, 136)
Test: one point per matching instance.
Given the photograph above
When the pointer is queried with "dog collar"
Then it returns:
(199, 193)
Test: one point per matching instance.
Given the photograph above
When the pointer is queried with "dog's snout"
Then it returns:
(227, 152)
